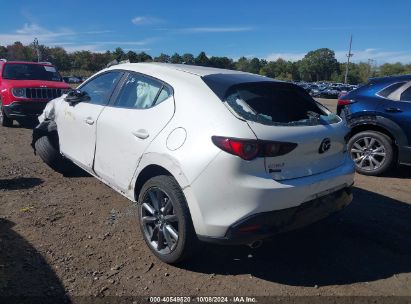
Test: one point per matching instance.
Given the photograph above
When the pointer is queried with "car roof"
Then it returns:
(170, 73)
(194, 69)
(200, 71)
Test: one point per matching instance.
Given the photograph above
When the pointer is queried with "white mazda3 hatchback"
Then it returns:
(208, 154)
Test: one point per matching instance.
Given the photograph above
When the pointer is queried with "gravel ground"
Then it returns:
(76, 236)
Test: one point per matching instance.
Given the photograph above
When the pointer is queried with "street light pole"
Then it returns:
(349, 55)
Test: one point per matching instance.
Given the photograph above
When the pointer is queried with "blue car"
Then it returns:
(379, 114)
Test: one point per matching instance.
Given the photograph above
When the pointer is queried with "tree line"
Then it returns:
(317, 65)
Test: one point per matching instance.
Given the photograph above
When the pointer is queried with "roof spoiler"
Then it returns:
(115, 62)
(405, 77)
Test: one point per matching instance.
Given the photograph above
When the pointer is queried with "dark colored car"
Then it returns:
(25, 89)
(379, 114)
(330, 92)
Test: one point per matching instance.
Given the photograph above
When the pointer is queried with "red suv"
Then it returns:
(26, 87)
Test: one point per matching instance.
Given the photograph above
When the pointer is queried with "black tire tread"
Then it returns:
(6, 121)
(50, 154)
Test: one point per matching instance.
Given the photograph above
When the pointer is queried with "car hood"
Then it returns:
(35, 84)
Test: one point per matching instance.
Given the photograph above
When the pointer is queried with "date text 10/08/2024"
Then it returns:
(206, 299)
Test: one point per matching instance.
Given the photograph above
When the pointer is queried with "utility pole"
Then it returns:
(371, 63)
(349, 55)
(36, 46)
(369, 68)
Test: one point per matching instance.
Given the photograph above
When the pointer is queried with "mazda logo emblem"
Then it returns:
(325, 145)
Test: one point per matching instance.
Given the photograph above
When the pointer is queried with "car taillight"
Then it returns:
(249, 149)
(344, 102)
(244, 148)
(275, 148)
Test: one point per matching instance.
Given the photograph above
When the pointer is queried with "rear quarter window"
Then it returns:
(390, 89)
(406, 95)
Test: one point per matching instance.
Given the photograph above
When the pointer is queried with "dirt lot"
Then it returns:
(76, 236)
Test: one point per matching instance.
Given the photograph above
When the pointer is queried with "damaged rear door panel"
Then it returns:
(142, 108)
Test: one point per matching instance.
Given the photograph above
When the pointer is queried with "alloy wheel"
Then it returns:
(368, 153)
(159, 221)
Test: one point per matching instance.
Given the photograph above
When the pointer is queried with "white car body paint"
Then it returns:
(296, 164)
(76, 125)
(176, 139)
(123, 135)
(220, 188)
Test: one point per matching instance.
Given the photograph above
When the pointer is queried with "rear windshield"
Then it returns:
(25, 71)
(275, 103)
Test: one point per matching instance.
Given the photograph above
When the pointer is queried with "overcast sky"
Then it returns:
(266, 29)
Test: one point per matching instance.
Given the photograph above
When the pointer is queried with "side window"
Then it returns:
(164, 94)
(406, 95)
(390, 89)
(99, 89)
(139, 92)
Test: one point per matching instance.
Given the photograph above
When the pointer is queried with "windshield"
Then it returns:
(277, 104)
(26, 71)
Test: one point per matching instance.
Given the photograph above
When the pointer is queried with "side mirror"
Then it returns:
(76, 96)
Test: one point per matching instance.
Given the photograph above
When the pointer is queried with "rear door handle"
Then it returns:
(143, 134)
(393, 110)
(89, 121)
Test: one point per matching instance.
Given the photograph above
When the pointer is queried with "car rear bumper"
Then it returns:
(263, 225)
(21, 109)
(227, 192)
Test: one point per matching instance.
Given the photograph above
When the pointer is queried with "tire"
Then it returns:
(372, 152)
(4, 120)
(47, 149)
(173, 211)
